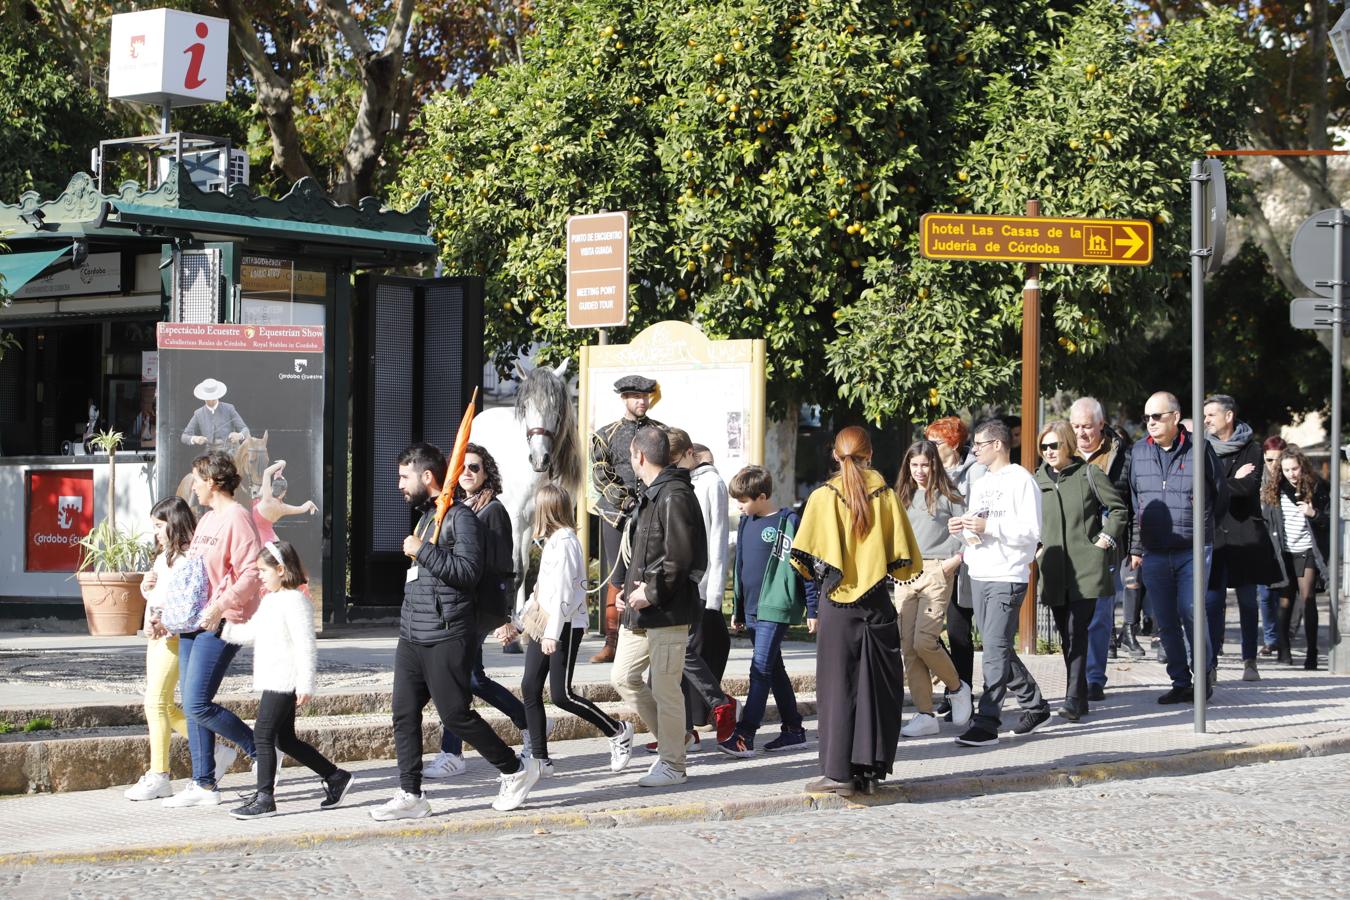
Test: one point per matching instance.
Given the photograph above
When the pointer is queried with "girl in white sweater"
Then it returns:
(282, 635)
(561, 593)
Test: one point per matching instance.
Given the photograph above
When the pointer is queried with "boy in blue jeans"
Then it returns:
(769, 596)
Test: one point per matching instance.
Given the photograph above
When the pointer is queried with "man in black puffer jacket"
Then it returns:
(659, 599)
(438, 633)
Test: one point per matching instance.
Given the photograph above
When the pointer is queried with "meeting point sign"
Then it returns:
(1037, 239)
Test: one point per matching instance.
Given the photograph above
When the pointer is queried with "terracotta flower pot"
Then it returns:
(112, 601)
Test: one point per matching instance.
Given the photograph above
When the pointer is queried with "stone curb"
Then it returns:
(46, 762)
(925, 791)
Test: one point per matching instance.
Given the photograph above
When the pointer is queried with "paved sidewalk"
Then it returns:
(1289, 713)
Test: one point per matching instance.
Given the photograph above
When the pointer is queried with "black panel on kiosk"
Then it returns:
(419, 356)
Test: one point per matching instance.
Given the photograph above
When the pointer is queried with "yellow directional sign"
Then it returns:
(1037, 239)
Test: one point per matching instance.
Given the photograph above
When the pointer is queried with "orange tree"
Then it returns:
(776, 156)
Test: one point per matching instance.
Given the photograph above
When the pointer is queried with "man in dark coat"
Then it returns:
(659, 599)
(1163, 473)
(617, 486)
(1243, 554)
(437, 638)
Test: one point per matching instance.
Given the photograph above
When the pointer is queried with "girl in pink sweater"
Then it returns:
(226, 540)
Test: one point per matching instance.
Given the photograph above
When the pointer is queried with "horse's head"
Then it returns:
(251, 461)
(540, 405)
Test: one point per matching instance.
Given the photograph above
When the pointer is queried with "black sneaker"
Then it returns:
(335, 788)
(1068, 713)
(1178, 695)
(976, 736)
(262, 806)
(1031, 720)
(1096, 692)
(786, 739)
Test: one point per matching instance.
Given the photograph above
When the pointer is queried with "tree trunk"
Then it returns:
(780, 458)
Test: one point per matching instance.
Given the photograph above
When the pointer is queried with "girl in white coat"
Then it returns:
(282, 635)
(561, 594)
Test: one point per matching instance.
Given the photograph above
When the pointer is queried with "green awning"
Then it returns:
(17, 269)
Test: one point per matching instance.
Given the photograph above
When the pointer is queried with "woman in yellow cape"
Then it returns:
(855, 540)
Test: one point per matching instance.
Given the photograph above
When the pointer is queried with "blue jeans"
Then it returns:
(1269, 601)
(203, 659)
(1216, 609)
(1167, 576)
(767, 673)
(486, 689)
(1099, 639)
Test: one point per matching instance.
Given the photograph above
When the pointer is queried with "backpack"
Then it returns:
(186, 591)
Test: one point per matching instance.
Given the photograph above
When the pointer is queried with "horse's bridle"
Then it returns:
(538, 432)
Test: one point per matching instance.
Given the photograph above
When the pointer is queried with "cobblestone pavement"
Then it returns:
(1271, 830)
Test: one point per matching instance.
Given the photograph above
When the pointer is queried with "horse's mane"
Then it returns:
(549, 393)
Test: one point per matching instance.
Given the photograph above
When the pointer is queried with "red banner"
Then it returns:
(60, 512)
(287, 338)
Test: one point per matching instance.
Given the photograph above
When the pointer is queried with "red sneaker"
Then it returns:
(725, 718)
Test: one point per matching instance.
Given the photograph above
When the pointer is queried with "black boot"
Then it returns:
(1131, 643)
(1113, 647)
(1310, 632)
(1282, 640)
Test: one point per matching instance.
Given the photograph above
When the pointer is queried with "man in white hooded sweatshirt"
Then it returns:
(1001, 528)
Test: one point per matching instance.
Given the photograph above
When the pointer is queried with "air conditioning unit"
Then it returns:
(211, 170)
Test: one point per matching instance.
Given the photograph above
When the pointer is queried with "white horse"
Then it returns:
(534, 443)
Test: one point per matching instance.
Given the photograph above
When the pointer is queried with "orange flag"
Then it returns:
(454, 466)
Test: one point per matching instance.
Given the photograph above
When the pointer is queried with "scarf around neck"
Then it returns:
(826, 548)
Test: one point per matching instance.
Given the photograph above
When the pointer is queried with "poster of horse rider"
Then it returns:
(255, 392)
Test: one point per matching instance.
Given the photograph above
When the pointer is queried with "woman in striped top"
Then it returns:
(1297, 506)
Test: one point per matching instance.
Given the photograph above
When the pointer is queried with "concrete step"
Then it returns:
(90, 758)
(339, 703)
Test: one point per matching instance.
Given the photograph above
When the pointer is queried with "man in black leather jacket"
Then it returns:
(658, 600)
(438, 633)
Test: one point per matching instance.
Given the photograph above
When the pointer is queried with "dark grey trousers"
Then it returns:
(997, 604)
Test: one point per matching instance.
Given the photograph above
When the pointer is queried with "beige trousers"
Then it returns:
(922, 608)
(661, 705)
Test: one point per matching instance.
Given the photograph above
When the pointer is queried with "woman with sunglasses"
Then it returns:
(1082, 522)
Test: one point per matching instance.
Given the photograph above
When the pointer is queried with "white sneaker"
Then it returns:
(152, 786)
(621, 748)
(225, 756)
(516, 787)
(921, 725)
(545, 768)
(445, 765)
(403, 806)
(962, 708)
(193, 795)
(662, 775)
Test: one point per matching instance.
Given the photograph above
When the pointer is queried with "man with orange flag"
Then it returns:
(438, 632)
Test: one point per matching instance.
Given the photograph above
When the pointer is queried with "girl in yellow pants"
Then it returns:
(174, 524)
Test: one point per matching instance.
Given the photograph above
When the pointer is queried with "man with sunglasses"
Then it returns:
(1001, 531)
(617, 486)
(1162, 469)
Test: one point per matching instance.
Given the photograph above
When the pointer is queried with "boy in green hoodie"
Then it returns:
(769, 596)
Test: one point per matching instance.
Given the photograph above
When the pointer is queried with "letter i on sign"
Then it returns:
(196, 53)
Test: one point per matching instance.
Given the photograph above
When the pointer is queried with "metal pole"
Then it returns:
(1338, 661)
(1031, 393)
(1200, 471)
(164, 116)
(603, 337)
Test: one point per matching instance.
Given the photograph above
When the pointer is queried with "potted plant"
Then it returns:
(113, 562)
